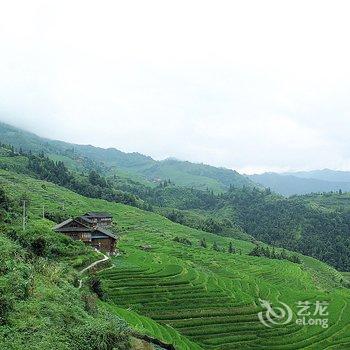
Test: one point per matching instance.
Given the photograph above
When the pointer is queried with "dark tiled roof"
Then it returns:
(97, 214)
(74, 229)
(86, 219)
(106, 232)
(58, 226)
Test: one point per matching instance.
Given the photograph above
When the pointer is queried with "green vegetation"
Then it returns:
(111, 161)
(91, 185)
(191, 295)
(266, 252)
(40, 305)
(330, 201)
(290, 223)
(313, 225)
(182, 240)
(211, 297)
(296, 223)
(193, 276)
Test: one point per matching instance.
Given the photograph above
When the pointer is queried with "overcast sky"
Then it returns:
(249, 85)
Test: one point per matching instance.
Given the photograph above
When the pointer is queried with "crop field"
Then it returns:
(195, 297)
(212, 298)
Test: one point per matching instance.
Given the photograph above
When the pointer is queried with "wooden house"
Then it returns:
(98, 218)
(91, 230)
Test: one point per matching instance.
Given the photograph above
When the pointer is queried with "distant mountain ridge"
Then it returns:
(183, 173)
(324, 175)
(305, 182)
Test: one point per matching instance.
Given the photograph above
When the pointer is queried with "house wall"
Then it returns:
(104, 222)
(74, 235)
(74, 224)
(106, 245)
(82, 236)
(77, 230)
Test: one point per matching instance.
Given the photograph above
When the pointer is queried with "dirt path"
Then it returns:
(105, 257)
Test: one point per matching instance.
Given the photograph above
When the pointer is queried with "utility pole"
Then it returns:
(24, 215)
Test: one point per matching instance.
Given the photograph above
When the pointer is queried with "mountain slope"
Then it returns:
(40, 305)
(112, 161)
(293, 223)
(196, 297)
(313, 225)
(294, 184)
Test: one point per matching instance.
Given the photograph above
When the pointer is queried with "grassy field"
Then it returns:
(195, 297)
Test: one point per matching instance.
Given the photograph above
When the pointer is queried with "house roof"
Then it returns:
(83, 228)
(85, 218)
(58, 226)
(97, 214)
(106, 232)
(75, 229)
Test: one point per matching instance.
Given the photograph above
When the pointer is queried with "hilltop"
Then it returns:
(135, 165)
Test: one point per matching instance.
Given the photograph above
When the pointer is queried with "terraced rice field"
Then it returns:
(210, 300)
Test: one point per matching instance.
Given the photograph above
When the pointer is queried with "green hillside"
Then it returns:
(296, 223)
(41, 306)
(315, 225)
(113, 161)
(193, 296)
(329, 201)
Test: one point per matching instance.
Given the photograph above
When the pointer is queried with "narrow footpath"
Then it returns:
(105, 257)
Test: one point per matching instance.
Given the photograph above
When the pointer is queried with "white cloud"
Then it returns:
(249, 85)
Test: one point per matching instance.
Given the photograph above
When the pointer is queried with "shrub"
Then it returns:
(41, 241)
(182, 240)
(96, 287)
(231, 248)
(90, 302)
(203, 242)
(38, 246)
(106, 332)
(266, 252)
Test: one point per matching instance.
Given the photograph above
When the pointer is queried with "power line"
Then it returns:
(24, 215)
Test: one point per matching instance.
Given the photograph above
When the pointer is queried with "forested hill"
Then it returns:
(315, 225)
(304, 224)
(297, 223)
(112, 161)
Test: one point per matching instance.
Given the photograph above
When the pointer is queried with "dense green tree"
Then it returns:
(182, 240)
(215, 246)
(94, 185)
(4, 200)
(265, 251)
(203, 242)
(231, 248)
